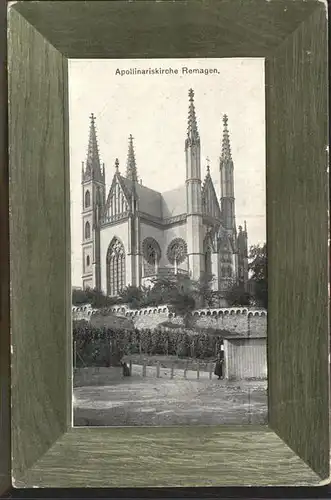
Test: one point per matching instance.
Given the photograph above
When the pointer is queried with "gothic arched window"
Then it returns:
(177, 252)
(152, 256)
(208, 261)
(227, 272)
(87, 231)
(87, 201)
(115, 267)
(207, 248)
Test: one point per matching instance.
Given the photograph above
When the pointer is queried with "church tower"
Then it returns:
(93, 196)
(229, 246)
(134, 253)
(193, 195)
(227, 180)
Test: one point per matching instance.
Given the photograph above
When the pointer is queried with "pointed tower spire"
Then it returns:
(208, 165)
(192, 126)
(193, 195)
(117, 164)
(226, 148)
(207, 171)
(93, 201)
(227, 180)
(131, 167)
(93, 166)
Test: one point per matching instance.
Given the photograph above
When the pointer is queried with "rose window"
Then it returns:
(177, 251)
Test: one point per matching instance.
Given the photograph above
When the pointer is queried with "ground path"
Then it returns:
(164, 401)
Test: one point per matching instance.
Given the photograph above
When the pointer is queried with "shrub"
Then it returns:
(106, 347)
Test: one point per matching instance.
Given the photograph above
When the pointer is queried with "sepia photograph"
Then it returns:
(164, 267)
(168, 242)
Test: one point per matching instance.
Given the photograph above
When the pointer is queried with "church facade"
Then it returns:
(132, 233)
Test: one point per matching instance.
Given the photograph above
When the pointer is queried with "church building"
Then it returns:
(132, 233)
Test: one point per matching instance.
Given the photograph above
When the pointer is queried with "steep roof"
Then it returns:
(210, 204)
(149, 200)
(174, 202)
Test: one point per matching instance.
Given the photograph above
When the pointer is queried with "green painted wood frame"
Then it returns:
(45, 450)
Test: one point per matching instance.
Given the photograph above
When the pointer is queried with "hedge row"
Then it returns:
(105, 347)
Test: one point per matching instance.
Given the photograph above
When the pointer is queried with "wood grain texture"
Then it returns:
(40, 247)
(177, 457)
(5, 476)
(297, 196)
(209, 28)
(38, 244)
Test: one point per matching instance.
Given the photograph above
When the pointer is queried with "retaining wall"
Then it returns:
(241, 321)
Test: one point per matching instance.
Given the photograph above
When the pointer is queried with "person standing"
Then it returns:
(219, 367)
(125, 369)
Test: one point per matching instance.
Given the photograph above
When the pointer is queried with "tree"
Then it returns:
(182, 304)
(203, 291)
(258, 268)
(236, 295)
(177, 291)
(79, 297)
(132, 295)
(94, 297)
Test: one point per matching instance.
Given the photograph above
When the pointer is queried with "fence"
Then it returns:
(151, 368)
(245, 358)
(172, 371)
(106, 376)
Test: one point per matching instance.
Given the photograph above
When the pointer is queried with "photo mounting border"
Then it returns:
(45, 451)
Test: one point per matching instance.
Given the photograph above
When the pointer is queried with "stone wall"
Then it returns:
(238, 320)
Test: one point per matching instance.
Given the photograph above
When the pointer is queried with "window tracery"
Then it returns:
(208, 266)
(152, 256)
(207, 248)
(115, 267)
(177, 251)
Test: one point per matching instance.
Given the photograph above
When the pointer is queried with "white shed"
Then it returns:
(245, 358)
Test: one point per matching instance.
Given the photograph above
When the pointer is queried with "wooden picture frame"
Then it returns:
(44, 450)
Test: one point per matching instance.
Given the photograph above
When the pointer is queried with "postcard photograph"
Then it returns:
(168, 241)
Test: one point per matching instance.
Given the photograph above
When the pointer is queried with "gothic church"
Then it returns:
(133, 233)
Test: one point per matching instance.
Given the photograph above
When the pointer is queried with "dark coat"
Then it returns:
(219, 368)
(126, 370)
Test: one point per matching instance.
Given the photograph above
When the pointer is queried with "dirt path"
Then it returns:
(163, 401)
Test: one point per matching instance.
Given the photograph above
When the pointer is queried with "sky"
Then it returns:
(154, 108)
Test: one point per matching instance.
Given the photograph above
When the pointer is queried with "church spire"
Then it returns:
(207, 170)
(192, 126)
(131, 167)
(226, 148)
(193, 194)
(93, 166)
(208, 165)
(227, 179)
